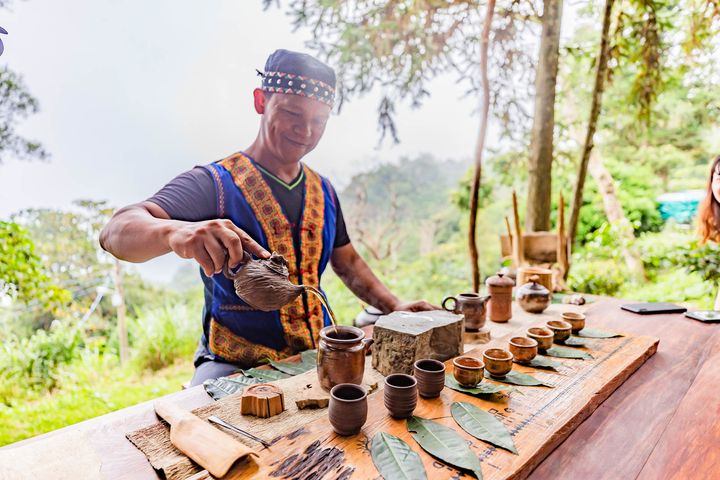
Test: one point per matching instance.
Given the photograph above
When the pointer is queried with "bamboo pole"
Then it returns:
(518, 243)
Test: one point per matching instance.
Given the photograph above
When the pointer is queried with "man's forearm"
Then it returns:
(134, 235)
(360, 279)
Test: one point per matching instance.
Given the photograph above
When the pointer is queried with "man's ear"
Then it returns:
(260, 101)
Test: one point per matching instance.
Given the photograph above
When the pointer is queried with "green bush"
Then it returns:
(600, 277)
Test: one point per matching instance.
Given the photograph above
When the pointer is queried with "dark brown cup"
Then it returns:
(577, 320)
(468, 371)
(523, 349)
(430, 376)
(561, 330)
(498, 362)
(400, 395)
(542, 336)
(348, 408)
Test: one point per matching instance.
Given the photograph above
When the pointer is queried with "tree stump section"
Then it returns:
(402, 338)
(263, 400)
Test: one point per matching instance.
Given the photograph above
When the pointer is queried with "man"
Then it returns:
(259, 200)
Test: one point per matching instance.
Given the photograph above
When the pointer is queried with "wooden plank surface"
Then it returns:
(539, 419)
(625, 428)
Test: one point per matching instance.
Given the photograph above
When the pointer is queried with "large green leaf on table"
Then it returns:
(307, 362)
(266, 375)
(592, 333)
(567, 353)
(482, 425)
(444, 443)
(541, 362)
(221, 387)
(519, 378)
(394, 458)
(577, 342)
(483, 389)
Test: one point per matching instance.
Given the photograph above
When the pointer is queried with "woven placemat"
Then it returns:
(154, 440)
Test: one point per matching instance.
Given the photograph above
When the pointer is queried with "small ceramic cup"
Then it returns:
(430, 376)
(561, 330)
(498, 362)
(577, 320)
(400, 395)
(348, 408)
(468, 371)
(543, 336)
(523, 349)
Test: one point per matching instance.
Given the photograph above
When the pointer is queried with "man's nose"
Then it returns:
(304, 129)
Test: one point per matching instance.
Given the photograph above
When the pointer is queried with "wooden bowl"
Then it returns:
(468, 371)
(543, 336)
(577, 320)
(498, 362)
(523, 349)
(561, 330)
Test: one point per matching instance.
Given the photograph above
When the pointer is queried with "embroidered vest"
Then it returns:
(237, 333)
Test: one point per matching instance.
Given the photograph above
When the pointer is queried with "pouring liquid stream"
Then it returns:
(322, 299)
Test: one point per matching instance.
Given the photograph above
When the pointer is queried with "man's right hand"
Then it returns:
(207, 242)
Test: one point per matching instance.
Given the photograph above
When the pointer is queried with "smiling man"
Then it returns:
(258, 200)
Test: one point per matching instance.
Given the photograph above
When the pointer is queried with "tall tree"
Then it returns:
(16, 104)
(540, 161)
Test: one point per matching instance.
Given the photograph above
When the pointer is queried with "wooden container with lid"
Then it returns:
(500, 305)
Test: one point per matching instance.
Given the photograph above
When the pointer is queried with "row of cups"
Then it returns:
(348, 402)
(469, 371)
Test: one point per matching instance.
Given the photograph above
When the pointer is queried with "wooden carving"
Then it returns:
(263, 400)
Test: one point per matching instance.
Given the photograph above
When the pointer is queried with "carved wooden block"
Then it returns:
(401, 338)
(263, 400)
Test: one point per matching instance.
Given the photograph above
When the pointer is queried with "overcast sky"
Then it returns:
(133, 92)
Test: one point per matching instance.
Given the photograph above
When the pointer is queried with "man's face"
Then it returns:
(293, 125)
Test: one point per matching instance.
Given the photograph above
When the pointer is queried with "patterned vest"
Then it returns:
(236, 332)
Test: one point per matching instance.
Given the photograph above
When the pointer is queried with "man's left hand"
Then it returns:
(416, 306)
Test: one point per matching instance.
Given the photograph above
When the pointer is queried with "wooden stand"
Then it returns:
(262, 400)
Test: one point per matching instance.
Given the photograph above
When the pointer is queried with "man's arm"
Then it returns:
(360, 279)
(142, 231)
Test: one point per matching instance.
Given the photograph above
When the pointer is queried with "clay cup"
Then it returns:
(498, 362)
(543, 336)
(523, 349)
(430, 376)
(468, 371)
(400, 395)
(348, 408)
(561, 330)
(577, 320)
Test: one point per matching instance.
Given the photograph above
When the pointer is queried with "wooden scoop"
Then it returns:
(214, 450)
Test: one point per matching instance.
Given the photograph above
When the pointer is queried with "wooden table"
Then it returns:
(663, 422)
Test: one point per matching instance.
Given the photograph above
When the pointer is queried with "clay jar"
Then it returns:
(471, 306)
(533, 297)
(498, 362)
(430, 376)
(348, 408)
(523, 349)
(500, 290)
(542, 336)
(577, 320)
(400, 395)
(561, 330)
(341, 356)
(468, 371)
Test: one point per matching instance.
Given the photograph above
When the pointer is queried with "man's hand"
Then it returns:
(207, 242)
(416, 306)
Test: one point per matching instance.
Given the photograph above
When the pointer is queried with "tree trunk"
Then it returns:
(480, 146)
(616, 215)
(600, 74)
(537, 217)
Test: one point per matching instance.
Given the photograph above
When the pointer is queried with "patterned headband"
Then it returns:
(281, 82)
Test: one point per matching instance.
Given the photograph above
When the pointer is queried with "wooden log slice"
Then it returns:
(263, 400)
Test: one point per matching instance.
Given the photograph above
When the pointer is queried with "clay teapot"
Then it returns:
(263, 284)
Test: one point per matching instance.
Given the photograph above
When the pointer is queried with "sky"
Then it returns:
(133, 92)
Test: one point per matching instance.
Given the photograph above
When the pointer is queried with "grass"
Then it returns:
(87, 392)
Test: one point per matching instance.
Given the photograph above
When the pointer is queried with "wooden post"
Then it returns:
(562, 253)
(119, 303)
(510, 238)
(518, 246)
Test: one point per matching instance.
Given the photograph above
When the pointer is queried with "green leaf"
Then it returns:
(307, 362)
(519, 378)
(444, 443)
(567, 353)
(482, 425)
(482, 389)
(221, 387)
(576, 342)
(394, 458)
(541, 362)
(265, 375)
(592, 333)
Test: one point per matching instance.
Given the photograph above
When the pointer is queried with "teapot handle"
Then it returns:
(446, 300)
(227, 271)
